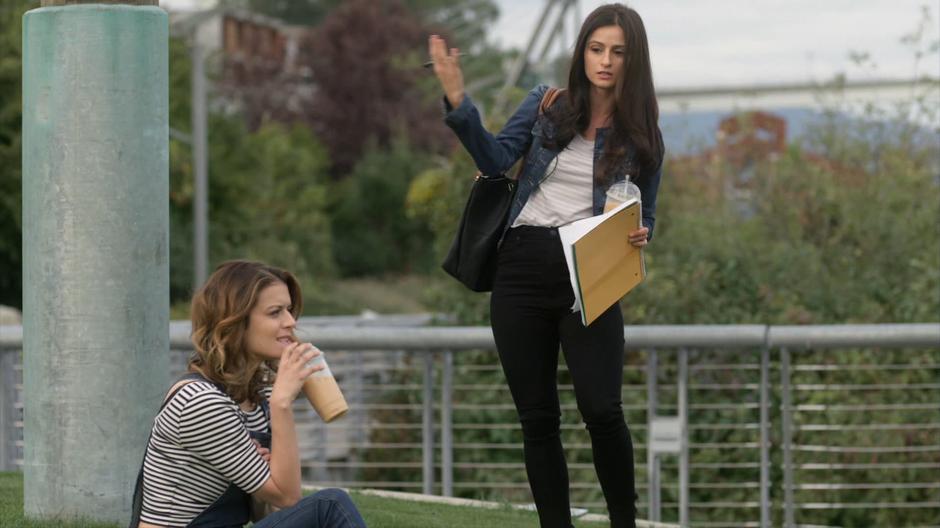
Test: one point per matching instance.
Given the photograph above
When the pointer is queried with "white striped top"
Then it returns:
(567, 192)
(198, 446)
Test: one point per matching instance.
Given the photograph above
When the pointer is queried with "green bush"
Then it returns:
(371, 233)
(844, 230)
(267, 201)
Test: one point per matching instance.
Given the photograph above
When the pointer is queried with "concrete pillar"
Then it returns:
(95, 257)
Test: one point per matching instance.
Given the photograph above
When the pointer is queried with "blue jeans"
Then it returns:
(329, 508)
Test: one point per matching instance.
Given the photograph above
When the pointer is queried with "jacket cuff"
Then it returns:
(457, 117)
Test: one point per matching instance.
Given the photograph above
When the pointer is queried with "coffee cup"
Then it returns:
(322, 391)
(619, 193)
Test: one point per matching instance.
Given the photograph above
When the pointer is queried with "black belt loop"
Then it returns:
(533, 232)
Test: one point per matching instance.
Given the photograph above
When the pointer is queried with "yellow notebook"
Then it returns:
(603, 265)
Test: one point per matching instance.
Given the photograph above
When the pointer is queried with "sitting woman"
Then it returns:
(225, 434)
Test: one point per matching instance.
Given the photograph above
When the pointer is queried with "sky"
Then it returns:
(696, 43)
(730, 42)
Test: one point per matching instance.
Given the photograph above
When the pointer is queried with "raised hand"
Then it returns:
(447, 69)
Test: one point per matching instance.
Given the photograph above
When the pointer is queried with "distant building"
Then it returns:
(254, 58)
(744, 138)
(727, 169)
(746, 144)
(254, 45)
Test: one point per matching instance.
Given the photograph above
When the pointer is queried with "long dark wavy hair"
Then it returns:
(220, 313)
(635, 115)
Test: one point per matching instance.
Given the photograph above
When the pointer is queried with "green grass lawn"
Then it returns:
(378, 512)
(11, 508)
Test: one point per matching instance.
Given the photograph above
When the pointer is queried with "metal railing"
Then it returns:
(836, 435)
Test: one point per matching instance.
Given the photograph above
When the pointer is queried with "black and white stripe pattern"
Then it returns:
(199, 445)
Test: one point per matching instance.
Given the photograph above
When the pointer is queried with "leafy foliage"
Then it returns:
(11, 16)
(267, 201)
(436, 198)
(812, 238)
(278, 181)
(300, 12)
(365, 57)
(267, 193)
(371, 233)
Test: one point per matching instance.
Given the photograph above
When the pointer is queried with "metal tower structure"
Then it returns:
(548, 31)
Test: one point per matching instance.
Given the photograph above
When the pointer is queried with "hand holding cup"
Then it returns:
(293, 369)
(323, 392)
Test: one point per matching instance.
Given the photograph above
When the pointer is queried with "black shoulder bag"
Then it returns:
(472, 256)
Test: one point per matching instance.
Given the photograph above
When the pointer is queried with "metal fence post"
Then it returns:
(427, 426)
(652, 462)
(447, 438)
(765, 433)
(786, 433)
(359, 416)
(320, 452)
(7, 397)
(201, 162)
(683, 405)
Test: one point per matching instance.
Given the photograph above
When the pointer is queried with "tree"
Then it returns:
(267, 193)
(465, 24)
(367, 83)
(436, 198)
(11, 212)
(466, 20)
(298, 12)
(371, 233)
(269, 196)
(366, 58)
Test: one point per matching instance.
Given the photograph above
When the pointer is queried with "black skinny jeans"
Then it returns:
(530, 311)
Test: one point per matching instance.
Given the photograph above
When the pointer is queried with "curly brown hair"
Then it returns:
(219, 314)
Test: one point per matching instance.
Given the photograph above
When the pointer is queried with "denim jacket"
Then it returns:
(494, 155)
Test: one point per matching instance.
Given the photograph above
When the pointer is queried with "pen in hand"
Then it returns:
(430, 63)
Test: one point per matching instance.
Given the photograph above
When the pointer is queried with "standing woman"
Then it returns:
(602, 130)
(225, 433)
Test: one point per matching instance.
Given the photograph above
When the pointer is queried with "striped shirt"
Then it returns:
(198, 446)
(566, 192)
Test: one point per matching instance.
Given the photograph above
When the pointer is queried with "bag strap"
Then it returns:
(548, 99)
(177, 385)
(138, 501)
